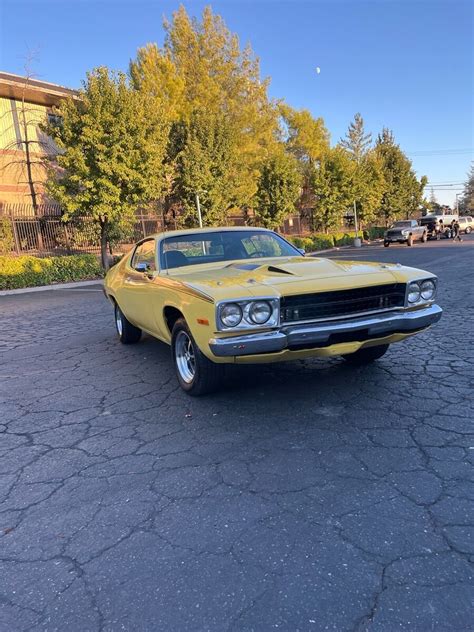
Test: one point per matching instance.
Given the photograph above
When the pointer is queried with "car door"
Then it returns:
(138, 286)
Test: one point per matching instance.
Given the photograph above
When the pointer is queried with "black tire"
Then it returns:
(386, 244)
(196, 374)
(367, 355)
(410, 240)
(438, 236)
(128, 334)
(468, 230)
(424, 238)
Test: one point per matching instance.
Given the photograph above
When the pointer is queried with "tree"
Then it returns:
(112, 143)
(279, 187)
(368, 184)
(30, 146)
(332, 185)
(403, 193)
(307, 139)
(466, 203)
(201, 68)
(205, 164)
(356, 141)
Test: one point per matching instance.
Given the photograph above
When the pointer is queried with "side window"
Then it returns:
(145, 253)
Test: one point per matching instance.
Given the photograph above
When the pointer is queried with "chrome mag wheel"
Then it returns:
(118, 321)
(184, 356)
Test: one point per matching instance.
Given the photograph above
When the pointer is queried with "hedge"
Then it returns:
(19, 272)
(323, 241)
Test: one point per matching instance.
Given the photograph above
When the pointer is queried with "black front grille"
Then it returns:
(321, 305)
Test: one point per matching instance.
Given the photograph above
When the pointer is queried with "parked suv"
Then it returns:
(406, 231)
(466, 224)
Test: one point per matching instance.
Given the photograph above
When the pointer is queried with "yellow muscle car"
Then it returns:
(246, 295)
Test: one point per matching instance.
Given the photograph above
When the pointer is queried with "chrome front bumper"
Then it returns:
(319, 334)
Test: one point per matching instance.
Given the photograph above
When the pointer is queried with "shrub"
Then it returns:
(375, 232)
(7, 242)
(344, 239)
(19, 272)
(322, 241)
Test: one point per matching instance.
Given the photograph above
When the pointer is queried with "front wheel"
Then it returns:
(410, 240)
(367, 355)
(128, 334)
(196, 374)
(386, 244)
(468, 230)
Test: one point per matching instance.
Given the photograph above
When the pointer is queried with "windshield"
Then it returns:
(210, 247)
(401, 225)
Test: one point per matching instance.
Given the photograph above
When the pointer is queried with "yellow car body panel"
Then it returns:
(196, 289)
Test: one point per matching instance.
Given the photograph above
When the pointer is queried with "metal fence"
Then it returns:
(42, 232)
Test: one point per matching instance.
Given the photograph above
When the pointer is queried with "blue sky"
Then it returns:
(406, 64)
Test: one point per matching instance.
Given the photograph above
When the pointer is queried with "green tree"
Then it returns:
(356, 141)
(279, 187)
(466, 203)
(403, 192)
(368, 185)
(112, 143)
(204, 166)
(201, 68)
(333, 188)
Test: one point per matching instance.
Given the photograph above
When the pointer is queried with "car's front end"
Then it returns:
(289, 314)
(396, 235)
(325, 323)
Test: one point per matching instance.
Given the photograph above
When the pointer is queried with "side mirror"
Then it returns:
(142, 267)
(302, 251)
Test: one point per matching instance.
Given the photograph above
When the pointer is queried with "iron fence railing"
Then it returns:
(42, 232)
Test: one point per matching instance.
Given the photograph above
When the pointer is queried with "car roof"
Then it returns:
(204, 229)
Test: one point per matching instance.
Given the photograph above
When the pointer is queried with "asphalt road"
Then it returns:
(305, 496)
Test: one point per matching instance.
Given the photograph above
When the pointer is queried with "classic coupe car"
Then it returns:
(246, 295)
(405, 231)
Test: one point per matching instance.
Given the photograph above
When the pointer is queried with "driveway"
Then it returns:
(305, 496)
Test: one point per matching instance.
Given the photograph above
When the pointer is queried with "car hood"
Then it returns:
(285, 276)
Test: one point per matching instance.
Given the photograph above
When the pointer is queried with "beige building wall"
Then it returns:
(25, 105)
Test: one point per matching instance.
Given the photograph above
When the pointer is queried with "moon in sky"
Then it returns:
(318, 70)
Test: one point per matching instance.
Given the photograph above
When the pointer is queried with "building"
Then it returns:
(24, 104)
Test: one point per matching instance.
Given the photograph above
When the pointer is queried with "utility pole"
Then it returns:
(357, 241)
(457, 202)
(198, 206)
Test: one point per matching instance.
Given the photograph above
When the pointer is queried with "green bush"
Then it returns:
(7, 242)
(375, 232)
(18, 272)
(321, 241)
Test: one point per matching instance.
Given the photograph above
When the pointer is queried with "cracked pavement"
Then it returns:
(305, 496)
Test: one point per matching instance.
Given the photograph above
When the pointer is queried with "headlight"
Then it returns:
(260, 312)
(248, 313)
(405, 232)
(428, 290)
(231, 314)
(414, 292)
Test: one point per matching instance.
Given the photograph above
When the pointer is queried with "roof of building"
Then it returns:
(34, 91)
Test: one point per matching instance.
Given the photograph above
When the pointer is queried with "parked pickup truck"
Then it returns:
(406, 231)
(438, 226)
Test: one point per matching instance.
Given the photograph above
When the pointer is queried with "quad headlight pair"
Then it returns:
(421, 291)
(248, 314)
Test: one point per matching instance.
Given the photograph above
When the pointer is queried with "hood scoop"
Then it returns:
(250, 267)
(279, 270)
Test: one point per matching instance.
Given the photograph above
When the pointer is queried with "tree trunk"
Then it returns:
(29, 169)
(104, 257)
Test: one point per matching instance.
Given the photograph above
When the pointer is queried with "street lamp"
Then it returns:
(457, 202)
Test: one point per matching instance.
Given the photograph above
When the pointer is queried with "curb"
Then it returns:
(56, 286)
